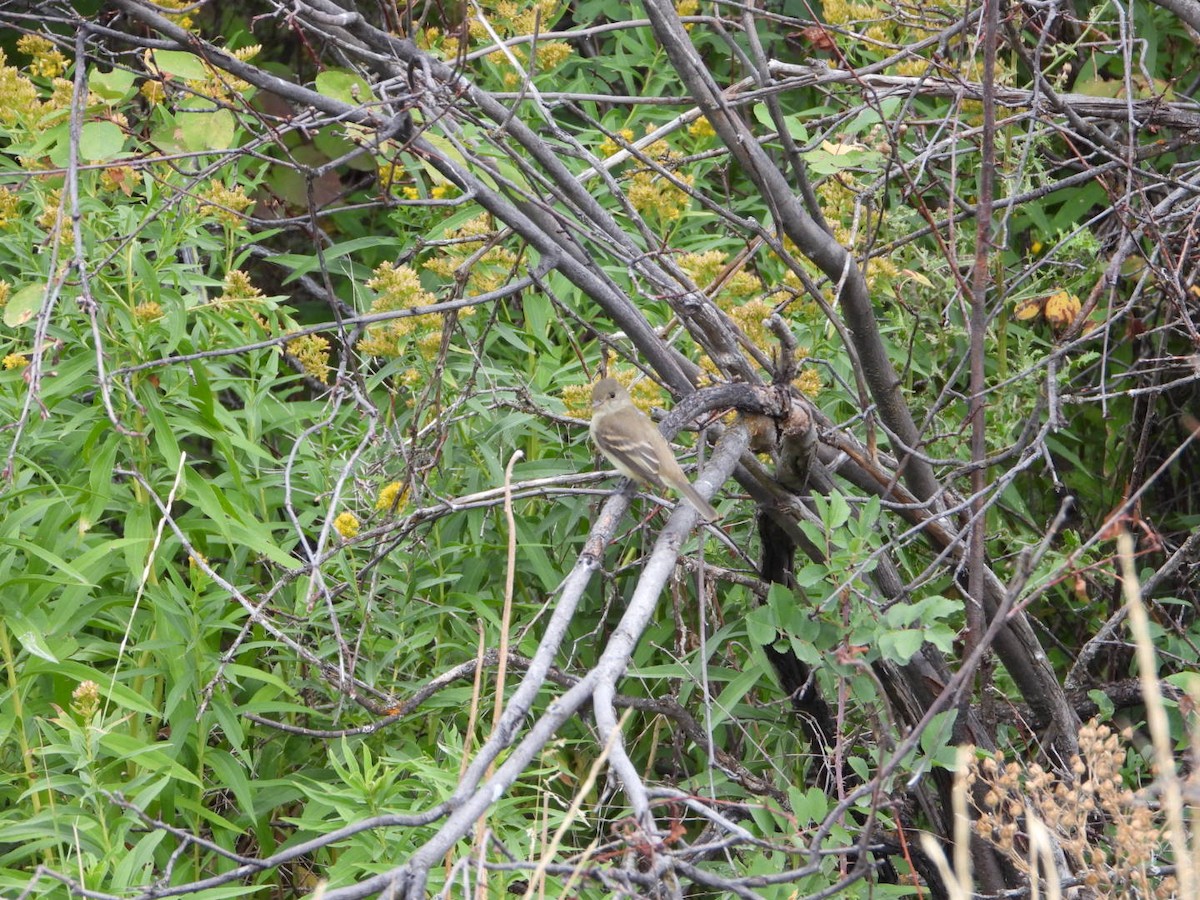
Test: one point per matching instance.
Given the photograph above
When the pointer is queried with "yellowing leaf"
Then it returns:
(1062, 308)
(840, 148)
(1029, 308)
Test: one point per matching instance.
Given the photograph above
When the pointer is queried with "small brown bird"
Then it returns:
(634, 445)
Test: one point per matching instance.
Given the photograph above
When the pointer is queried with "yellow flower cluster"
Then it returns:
(751, 318)
(47, 61)
(913, 67)
(744, 298)
(221, 86)
(239, 291)
(148, 311)
(645, 393)
(553, 54)
(880, 268)
(705, 268)
(153, 91)
(488, 271)
(227, 204)
(85, 700)
(649, 192)
(510, 18)
(392, 496)
(549, 56)
(9, 204)
(390, 173)
(399, 287)
(842, 12)
(347, 525)
(609, 147)
(182, 19)
(701, 129)
(312, 352)
(51, 211)
(742, 295)
(62, 92)
(15, 361)
(238, 287)
(431, 39)
(808, 382)
(18, 96)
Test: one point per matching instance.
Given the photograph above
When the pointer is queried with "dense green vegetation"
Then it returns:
(310, 580)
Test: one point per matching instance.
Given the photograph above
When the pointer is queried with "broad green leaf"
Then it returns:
(346, 86)
(100, 141)
(900, 646)
(207, 130)
(830, 158)
(760, 626)
(181, 64)
(111, 86)
(24, 304)
(793, 123)
(935, 739)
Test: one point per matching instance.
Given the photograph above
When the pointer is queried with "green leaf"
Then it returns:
(231, 774)
(839, 511)
(53, 560)
(733, 693)
(100, 141)
(809, 807)
(829, 158)
(805, 651)
(120, 694)
(812, 574)
(935, 740)
(181, 64)
(900, 646)
(207, 130)
(793, 123)
(24, 304)
(760, 626)
(111, 87)
(149, 756)
(1104, 705)
(349, 87)
(34, 643)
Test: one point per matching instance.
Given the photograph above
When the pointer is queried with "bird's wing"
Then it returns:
(642, 458)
